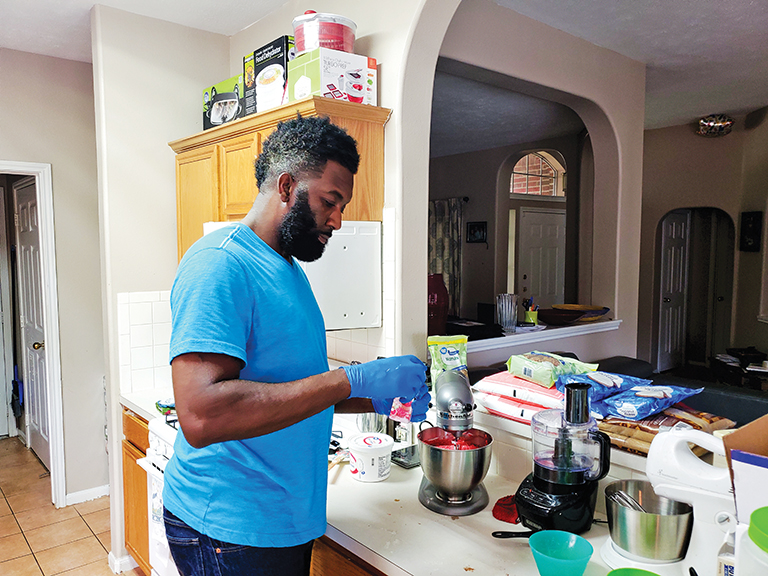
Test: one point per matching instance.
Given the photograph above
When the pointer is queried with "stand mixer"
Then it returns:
(677, 473)
(454, 456)
(570, 456)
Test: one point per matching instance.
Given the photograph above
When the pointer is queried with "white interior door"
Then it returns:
(31, 318)
(675, 233)
(541, 263)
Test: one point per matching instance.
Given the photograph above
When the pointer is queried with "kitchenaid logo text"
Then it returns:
(267, 54)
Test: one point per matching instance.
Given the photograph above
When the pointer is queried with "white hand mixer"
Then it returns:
(677, 473)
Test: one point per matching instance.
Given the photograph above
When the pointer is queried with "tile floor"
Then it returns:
(36, 539)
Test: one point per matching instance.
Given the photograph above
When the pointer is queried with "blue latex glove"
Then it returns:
(419, 406)
(396, 377)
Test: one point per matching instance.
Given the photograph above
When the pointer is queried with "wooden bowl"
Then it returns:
(591, 313)
(557, 317)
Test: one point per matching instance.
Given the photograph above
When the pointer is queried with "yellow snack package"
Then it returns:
(545, 368)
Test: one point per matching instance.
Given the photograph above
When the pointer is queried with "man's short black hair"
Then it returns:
(305, 145)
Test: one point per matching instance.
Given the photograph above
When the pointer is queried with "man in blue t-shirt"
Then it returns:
(245, 492)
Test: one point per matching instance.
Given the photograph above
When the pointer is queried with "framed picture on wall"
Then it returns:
(477, 232)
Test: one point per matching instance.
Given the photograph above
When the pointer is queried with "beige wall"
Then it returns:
(683, 170)
(148, 78)
(748, 331)
(57, 128)
(608, 92)
(47, 117)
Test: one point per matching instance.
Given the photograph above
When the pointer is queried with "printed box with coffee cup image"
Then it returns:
(223, 102)
(332, 74)
(266, 71)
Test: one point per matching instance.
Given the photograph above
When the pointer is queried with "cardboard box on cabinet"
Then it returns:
(266, 73)
(333, 74)
(223, 102)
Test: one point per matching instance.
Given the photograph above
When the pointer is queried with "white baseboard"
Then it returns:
(121, 564)
(86, 495)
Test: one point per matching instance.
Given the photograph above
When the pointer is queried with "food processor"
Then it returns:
(570, 456)
(453, 455)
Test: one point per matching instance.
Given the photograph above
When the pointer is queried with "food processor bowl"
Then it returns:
(660, 534)
(454, 472)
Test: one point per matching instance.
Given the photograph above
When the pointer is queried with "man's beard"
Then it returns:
(298, 232)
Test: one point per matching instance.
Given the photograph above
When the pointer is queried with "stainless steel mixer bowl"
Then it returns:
(660, 534)
(454, 473)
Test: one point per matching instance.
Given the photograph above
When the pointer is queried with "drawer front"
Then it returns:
(136, 430)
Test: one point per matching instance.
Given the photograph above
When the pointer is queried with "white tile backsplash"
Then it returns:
(161, 333)
(140, 313)
(141, 335)
(142, 357)
(144, 335)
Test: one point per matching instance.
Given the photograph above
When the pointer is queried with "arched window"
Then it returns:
(538, 174)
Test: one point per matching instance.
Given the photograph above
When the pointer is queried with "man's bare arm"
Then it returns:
(214, 405)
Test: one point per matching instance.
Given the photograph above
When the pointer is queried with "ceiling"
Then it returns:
(702, 56)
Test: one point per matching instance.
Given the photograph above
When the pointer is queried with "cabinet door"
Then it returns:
(135, 507)
(330, 559)
(237, 180)
(197, 193)
(368, 194)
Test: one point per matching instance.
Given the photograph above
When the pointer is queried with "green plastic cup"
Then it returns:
(559, 553)
(631, 572)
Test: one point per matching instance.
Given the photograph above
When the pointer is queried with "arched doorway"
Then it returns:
(695, 286)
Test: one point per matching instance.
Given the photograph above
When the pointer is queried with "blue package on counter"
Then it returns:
(603, 384)
(640, 402)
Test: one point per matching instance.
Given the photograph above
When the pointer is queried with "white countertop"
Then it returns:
(143, 402)
(385, 524)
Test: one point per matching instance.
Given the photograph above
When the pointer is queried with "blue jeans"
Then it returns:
(196, 554)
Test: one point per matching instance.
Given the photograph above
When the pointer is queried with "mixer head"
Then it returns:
(454, 402)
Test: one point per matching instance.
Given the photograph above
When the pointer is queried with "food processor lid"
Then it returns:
(577, 402)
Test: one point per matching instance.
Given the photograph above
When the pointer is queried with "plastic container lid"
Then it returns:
(311, 16)
(372, 443)
(758, 528)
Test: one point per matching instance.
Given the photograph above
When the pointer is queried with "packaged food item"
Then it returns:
(545, 368)
(603, 384)
(509, 408)
(639, 402)
(506, 385)
(636, 435)
(400, 411)
(447, 353)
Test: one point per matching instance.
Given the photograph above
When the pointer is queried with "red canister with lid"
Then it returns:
(320, 30)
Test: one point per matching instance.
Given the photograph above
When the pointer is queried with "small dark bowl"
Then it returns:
(554, 317)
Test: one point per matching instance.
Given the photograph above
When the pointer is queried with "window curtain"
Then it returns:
(445, 223)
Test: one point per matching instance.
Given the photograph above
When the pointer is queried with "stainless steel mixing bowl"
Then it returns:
(660, 534)
(454, 473)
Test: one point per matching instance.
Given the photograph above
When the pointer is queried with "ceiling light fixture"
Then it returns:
(715, 125)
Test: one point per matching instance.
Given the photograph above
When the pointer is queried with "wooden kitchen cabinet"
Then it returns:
(215, 174)
(135, 444)
(331, 559)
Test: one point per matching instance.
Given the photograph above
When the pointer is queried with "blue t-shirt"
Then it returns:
(235, 295)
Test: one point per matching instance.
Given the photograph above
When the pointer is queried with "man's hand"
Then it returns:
(396, 377)
(419, 406)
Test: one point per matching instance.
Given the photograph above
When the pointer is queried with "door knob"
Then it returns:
(720, 298)
(667, 300)
(38, 345)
